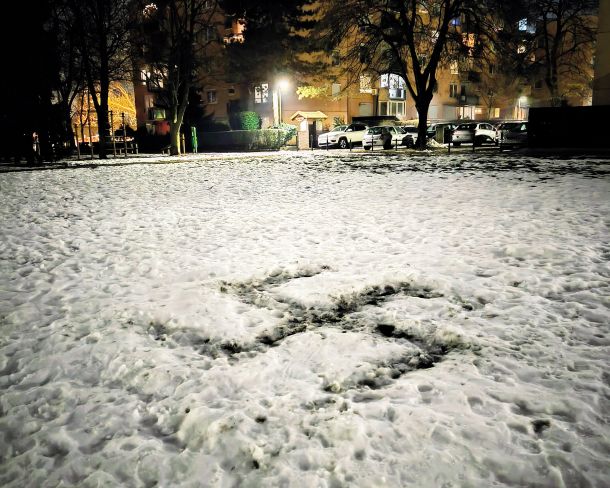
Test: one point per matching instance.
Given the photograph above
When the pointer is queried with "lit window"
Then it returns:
(455, 70)
(261, 93)
(211, 96)
(521, 48)
(149, 10)
(523, 25)
(392, 108)
(453, 90)
(365, 84)
(392, 81)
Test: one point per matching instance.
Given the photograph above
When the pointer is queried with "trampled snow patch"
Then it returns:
(306, 320)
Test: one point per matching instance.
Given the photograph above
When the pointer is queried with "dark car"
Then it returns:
(503, 128)
(515, 136)
(431, 130)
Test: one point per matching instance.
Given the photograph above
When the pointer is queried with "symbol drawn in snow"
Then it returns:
(422, 350)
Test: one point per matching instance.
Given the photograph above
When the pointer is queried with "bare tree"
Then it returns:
(70, 72)
(410, 38)
(567, 35)
(102, 28)
(551, 41)
(181, 48)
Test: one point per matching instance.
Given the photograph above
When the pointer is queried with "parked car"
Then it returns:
(482, 131)
(385, 136)
(515, 136)
(431, 130)
(410, 138)
(503, 128)
(343, 135)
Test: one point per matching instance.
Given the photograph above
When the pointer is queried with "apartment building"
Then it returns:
(467, 89)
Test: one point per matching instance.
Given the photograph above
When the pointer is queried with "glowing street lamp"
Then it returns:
(282, 84)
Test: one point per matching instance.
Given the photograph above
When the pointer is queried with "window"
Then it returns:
(492, 69)
(211, 96)
(210, 33)
(335, 89)
(365, 84)
(521, 48)
(455, 68)
(392, 108)
(523, 25)
(231, 91)
(456, 21)
(453, 90)
(261, 93)
(391, 80)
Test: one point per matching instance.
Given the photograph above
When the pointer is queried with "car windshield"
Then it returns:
(375, 130)
(410, 129)
(467, 126)
(509, 125)
(339, 128)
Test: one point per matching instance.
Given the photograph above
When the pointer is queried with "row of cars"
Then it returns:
(359, 134)
(513, 133)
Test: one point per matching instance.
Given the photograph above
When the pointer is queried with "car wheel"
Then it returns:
(457, 144)
(367, 148)
(478, 141)
(343, 143)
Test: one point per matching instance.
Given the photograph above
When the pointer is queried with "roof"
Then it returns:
(309, 115)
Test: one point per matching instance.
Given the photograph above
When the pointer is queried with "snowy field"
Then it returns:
(306, 320)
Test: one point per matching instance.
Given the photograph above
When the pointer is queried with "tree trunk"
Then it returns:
(174, 138)
(422, 125)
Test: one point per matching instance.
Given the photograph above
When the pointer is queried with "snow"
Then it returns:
(306, 320)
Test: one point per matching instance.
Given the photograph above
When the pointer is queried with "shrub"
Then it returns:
(287, 132)
(245, 121)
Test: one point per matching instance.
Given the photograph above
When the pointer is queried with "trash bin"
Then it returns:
(447, 133)
(194, 139)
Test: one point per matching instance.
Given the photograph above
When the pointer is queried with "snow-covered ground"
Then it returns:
(306, 320)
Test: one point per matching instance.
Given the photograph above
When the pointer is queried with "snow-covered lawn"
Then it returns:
(306, 320)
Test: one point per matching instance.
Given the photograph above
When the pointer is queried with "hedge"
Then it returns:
(244, 140)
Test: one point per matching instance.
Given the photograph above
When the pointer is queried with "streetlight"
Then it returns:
(282, 84)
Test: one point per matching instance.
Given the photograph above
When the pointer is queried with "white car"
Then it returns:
(385, 136)
(482, 132)
(343, 136)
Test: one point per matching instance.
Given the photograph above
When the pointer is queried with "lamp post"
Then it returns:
(282, 84)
